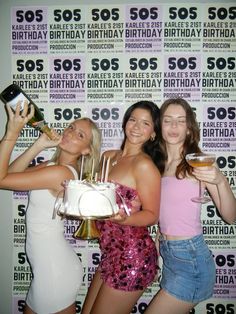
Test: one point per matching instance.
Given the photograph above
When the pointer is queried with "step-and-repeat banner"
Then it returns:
(97, 60)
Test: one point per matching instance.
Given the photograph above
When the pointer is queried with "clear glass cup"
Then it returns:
(200, 160)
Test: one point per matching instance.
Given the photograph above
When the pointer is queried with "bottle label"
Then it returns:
(15, 100)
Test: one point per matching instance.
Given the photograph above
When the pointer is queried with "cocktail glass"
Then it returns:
(200, 160)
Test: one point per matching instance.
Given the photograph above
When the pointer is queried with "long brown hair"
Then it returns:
(191, 143)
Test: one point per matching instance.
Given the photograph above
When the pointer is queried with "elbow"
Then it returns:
(230, 221)
(3, 185)
(153, 220)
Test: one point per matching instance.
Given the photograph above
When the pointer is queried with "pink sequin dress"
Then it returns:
(128, 253)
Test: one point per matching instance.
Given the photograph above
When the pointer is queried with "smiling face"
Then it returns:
(174, 126)
(139, 127)
(77, 138)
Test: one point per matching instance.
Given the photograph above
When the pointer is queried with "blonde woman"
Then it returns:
(57, 271)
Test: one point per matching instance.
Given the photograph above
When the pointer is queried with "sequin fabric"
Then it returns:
(128, 253)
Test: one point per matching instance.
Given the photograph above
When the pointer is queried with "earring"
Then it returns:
(152, 138)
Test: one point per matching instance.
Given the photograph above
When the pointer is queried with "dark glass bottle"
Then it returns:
(12, 95)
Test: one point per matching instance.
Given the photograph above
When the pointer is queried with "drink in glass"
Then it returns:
(200, 160)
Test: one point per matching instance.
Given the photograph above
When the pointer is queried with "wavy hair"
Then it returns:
(191, 143)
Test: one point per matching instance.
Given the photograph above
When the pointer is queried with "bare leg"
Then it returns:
(92, 293)
(164, 303)
(115, 301)
(27, 310)
(69, 310)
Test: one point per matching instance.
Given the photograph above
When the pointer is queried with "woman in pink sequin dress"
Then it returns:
(128, 253)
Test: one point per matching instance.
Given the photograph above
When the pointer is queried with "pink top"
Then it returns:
(179, 216)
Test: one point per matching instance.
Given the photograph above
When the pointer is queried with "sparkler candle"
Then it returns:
(81, 167)
(107, 169)
(92, 172)
(103, 168)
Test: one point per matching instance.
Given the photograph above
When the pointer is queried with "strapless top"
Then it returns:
(128, 196)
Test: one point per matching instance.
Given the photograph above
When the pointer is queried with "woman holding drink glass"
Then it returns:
(188, 274)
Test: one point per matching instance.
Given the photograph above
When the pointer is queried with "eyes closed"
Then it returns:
(170, 120)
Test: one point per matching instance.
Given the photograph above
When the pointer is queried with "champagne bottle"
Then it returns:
(14, 94)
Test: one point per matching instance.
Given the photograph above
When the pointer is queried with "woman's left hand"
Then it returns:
(210, 174)
(45, 142)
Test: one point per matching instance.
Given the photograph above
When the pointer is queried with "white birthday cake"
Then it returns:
(86, 199)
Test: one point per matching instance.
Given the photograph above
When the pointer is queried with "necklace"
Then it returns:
(115, 162)
(119, 157)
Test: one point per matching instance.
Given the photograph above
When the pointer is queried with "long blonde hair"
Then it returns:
(95, 150)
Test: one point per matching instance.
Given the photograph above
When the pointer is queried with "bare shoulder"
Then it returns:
(111, 153)
(58, 172)
(144, 162)
(50, 177)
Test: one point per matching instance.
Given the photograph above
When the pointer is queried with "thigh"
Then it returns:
(28, 310)
(71, 309)
(116, 301)
(164, 303)
(92, 293)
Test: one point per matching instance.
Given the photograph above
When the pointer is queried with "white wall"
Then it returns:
(6, 237)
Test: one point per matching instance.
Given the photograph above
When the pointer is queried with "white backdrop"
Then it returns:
(96, 60)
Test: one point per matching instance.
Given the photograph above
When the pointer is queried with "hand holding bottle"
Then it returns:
(12, 95)
(17, 119)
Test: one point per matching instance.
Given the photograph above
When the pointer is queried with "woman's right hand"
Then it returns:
(17, 120)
